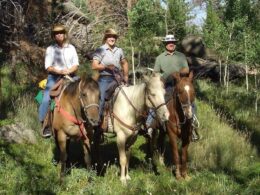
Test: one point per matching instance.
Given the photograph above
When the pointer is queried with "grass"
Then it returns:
(223, 162)
(237, 106)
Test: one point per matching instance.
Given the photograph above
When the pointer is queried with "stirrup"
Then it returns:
(195, 122)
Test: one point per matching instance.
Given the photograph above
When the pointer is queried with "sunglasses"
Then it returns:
(59, 32)
(111, 36)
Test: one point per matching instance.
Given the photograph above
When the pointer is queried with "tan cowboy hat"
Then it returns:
(109, 32)
(169, 38)
(59, 28)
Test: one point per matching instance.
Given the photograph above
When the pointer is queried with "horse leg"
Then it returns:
(95, 151)
(161, 145)
(184, 157)
(127, 163)
(175, 153)
(121, 141)
(152, 150)
(130, 141)
(62, 139)
(86, 149)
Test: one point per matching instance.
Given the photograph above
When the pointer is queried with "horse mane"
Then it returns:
(85, 81)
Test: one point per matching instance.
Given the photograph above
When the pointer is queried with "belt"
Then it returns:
(106, 76)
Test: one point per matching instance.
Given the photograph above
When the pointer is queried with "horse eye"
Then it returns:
(153, 94)
(83, 94)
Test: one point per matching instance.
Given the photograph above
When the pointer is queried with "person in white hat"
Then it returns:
(167, 63)
(170, 60)
(60, 59)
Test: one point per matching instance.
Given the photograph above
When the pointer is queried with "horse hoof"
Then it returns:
(128, 177)
(123, 181)
(179, 177)
(187, 177)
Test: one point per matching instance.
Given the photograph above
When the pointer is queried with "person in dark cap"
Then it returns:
(60, 59)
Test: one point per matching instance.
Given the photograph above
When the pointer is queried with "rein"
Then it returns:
(71, 118)
(143, 114)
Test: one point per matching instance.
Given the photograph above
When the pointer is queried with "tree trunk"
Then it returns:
(220, 70)
(133, 60)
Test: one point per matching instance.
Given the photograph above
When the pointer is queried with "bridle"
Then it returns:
(155, 108)
(85, 107)
(183, 106)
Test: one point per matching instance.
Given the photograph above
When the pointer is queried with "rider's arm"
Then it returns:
(54, 70)
(96, 65)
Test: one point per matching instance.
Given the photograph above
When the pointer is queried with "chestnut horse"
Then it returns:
(75, 113)
(129, 108)
(179, 124)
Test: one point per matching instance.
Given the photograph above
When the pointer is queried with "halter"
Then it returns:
(183, 106)
(134, 128)
(85, 107)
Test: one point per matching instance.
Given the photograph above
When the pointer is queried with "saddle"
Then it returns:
(106, 123)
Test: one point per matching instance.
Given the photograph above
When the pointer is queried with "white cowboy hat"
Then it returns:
(169, 38)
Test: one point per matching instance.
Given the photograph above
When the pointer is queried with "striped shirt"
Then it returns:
(107, 57)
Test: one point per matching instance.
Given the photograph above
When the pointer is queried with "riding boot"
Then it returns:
(194, 132)
(46, 130)
(195, 135)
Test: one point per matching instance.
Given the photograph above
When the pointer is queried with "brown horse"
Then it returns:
(75, 113)
(179, 124)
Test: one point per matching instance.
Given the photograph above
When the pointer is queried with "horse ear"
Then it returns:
(145, 78)
(176, 75)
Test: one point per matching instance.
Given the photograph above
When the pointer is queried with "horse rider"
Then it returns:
(60, 59)
(107, 60)
(167, 63)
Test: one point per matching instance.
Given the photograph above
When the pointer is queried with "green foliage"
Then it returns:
(230, 26)
(177, 17)
(238, 105)
(13, 84)
(81, 4)
(145, 18)
(215, 33)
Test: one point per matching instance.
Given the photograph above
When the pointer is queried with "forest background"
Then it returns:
(227, 107)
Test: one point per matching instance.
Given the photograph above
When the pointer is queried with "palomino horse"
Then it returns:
(180, 122)
(76, 109)
(130, 105)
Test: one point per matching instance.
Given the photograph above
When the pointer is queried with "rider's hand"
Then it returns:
(110, 67)
(65, 72)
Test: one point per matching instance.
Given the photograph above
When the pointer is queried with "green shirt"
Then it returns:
(167, 64)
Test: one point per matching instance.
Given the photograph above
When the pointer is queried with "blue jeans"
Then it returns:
(103, 83)
(43, 109)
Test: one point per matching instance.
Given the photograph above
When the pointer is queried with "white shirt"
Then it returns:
(61, 57)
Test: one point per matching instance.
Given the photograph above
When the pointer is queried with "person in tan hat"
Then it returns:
(60, 59)
(109, 60)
